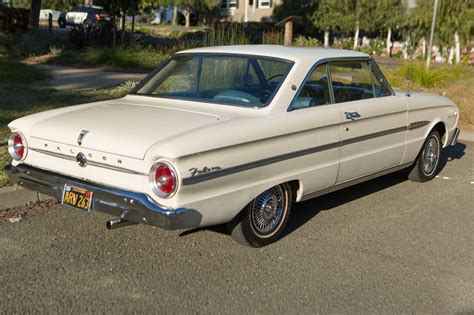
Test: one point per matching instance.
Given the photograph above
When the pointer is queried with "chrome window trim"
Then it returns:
(379, 74)
(316, 64)
(369, 59)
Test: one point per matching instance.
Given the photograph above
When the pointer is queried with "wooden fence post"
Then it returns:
(288, 24)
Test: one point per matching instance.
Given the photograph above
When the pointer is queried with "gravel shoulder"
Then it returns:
(385, 246)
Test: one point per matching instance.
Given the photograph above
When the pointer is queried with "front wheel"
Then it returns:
(427, 161)
(263, 221)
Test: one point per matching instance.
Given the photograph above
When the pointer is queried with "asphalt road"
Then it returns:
(385, 246)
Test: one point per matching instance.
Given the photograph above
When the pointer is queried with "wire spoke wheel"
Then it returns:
(424, 168)
(267, 211)
(430, 156)
(264, 219)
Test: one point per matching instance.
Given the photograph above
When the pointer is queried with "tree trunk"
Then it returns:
(123, 27)
(187, 17)
(175, 15)
(35, 12)
(356, 37)
(423, 47)
(389, 42)
(114, 33)
(326, 38)
(457, 46)
(451, 55)
(132, 35)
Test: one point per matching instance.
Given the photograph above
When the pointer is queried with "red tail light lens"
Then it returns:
(163, 179)
(97, 17)
(17, 146)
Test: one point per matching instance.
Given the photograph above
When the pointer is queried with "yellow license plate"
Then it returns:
(77, 197)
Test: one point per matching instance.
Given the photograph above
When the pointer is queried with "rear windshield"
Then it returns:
(221, 79)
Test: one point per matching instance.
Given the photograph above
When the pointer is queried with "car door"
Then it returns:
(320, 138)
(374, 120)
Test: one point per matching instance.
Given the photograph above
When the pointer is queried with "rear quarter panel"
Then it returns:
(243, 141)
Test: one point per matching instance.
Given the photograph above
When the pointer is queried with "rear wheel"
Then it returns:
(263, 220)
(427, 162)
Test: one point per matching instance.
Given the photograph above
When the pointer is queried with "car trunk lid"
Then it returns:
(120, 128)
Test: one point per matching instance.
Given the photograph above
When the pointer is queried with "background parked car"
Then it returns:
(82, 15)
(44, 14)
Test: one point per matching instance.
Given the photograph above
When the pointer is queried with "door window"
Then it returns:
(380, 89)
(315, 90)
(351, 81)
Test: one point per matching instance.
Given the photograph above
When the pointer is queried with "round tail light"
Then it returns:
(163, 180)
(17, 146)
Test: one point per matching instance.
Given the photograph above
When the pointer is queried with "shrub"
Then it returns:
(375, 47)
(419, 74)
(307, 41)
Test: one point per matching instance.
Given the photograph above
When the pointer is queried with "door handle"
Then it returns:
(352, 115)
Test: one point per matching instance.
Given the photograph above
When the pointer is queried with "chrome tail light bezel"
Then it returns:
(11, 149)
(154, 184)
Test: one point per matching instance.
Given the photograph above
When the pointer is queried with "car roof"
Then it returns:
(293, 53)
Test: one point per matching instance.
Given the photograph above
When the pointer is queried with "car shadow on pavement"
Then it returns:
(304, 211)
(450, 153)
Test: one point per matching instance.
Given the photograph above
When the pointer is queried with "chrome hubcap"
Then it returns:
(430, 156)
(267, 210)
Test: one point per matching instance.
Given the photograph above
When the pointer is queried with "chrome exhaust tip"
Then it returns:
(117, 223)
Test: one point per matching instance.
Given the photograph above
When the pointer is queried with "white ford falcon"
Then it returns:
(232, 135)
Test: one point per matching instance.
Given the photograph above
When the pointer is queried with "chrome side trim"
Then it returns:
(373, 135)
(418, 124)
(55, 154)
(259, 163)
(89, 162)
(244, 167)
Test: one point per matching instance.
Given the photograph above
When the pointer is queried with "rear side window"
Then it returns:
(351, 81)
(315, 90)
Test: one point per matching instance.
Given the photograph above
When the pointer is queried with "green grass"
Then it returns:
(125, 57)
(24, 90)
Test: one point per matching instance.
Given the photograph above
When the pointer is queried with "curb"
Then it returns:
(15, 196)
(466, 135)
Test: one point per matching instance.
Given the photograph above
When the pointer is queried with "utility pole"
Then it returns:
(432, 33)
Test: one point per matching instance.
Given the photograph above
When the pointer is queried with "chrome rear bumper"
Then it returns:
(131, 206)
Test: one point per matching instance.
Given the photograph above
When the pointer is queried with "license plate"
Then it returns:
(77, 197)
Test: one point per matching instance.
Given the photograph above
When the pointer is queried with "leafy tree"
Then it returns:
(327, 17)
(389, 15)
(454, 22)
(303, 8)
(347, 16)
